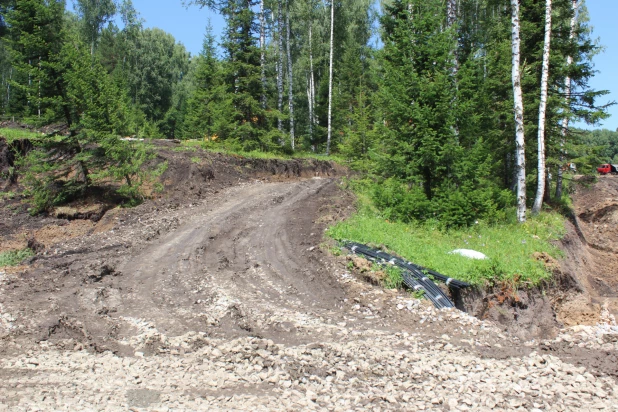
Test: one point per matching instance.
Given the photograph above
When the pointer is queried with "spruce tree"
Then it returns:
(208, 105)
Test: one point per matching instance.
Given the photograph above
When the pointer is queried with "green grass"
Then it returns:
(221, 147)
(14, 258)
(15, 134)
(7, 195)
(509, 246)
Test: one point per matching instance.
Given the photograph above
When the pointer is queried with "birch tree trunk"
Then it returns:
(567, 97)
(451, 18)
(290, 73)
(520, 154)
(8, 91)
(263, 53)
(310, 91)
(540, 190)
(279, 66)
(330, 76)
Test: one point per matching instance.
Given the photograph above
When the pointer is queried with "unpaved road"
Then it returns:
(230, 303)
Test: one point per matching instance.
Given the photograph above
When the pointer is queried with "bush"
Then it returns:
(451, 207)
(397, 201)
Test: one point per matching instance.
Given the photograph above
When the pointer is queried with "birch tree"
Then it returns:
(290, 73)
(567, 97)
(520, 153)
(263, 53)
(330, 76)
(538, 201)
(279, 65)
(94, 15)
(311, 82)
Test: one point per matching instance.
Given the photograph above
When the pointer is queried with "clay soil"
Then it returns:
(234, 248)
(591, 248)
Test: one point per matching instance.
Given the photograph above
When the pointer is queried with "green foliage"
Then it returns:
(14, 258)
(18, 134)
(509, 246)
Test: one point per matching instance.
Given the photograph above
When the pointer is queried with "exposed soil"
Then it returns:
(221, 293)
(591, 246)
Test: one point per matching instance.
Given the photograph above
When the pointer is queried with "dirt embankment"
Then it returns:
(191, 176)
(219, 294)
(591, 248)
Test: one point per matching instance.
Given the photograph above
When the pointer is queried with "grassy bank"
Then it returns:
(512, 248)
(16, 134)
(228, 149)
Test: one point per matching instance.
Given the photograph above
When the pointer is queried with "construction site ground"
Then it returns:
(221, 294)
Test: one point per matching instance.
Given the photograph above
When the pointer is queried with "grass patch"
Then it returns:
(221, 147)
(14, 258)
(16, 134)
(509, 246)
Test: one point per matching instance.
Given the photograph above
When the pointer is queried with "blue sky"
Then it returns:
(188, 27)
(603, 19)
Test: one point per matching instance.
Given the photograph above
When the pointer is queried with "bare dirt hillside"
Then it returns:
(221, 295)
(592, 248)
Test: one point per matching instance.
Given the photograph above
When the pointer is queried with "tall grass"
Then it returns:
(223, 148)
(510, 247)
(15, 134)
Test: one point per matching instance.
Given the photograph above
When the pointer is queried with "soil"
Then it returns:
(233, 249)
(591, 248)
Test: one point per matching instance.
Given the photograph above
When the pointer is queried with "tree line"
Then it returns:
(459, 110)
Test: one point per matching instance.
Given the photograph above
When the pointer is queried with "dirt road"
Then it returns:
(229, 302)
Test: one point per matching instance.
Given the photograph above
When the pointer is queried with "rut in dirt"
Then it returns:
(245, 256)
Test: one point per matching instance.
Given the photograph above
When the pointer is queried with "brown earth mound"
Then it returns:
(592, 244)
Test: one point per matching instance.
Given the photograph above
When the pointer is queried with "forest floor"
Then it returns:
(221, 294)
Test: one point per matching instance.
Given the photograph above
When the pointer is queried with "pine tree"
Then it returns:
(36, 36)
(416, 92)
(207, 109)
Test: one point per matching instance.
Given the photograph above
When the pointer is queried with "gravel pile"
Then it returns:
(366, 369)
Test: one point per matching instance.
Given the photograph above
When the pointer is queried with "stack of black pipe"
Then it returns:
(414, 276)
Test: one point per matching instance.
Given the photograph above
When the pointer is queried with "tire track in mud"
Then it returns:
(231, 263)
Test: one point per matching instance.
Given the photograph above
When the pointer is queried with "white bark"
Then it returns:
(520, 154)
(279, 67)
(263, 53)
(290, 75)
(451, 12)
(311, 89)
(8, 91)
(451, 19)
(330, 76)
(540, 190)
(567, 97)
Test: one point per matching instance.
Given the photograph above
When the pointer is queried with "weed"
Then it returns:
(14, 258)
(418, 294)
(8, 195)
(509, 246)
(16, 134)
(228, 149)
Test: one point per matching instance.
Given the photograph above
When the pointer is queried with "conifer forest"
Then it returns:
(454, 110)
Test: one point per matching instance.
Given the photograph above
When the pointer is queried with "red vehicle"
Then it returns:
(607, 168)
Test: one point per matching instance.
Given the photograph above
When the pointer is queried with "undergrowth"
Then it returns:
(509, 246)
(228, 149)
(14, 258)
(16, 134)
